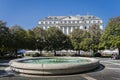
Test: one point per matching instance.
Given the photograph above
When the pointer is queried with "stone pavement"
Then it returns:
(108, 70)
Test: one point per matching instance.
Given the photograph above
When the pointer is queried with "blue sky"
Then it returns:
(27, 13)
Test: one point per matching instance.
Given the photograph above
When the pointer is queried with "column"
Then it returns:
(71, 28)
(66, 29)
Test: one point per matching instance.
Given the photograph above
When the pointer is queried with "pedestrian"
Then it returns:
(112, 56)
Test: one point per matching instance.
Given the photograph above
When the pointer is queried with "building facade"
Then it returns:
(68, 23)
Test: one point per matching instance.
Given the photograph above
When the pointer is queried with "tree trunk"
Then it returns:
(78, 52)
(94, 51)
(54, 52)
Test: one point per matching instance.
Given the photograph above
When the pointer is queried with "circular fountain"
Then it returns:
(53, 65)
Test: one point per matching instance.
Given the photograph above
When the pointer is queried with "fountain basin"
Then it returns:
(53, 65)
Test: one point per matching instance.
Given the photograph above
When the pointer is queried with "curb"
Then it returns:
(8, 72)
(4, 64)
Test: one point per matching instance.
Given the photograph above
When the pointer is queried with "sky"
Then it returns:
(27, 13)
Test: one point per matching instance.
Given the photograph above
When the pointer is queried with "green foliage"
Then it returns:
(30, 40)
(39, 32)
(111, 35)
(85, 44)
(14, 38)
(40, 38)
(18, 37)
(4, 37)
(95, 34)
(56, 40)
(80, 39)
(76, 38)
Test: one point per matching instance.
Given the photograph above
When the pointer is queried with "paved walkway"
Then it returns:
(108, 70)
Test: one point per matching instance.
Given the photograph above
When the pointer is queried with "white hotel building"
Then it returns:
(68, 23)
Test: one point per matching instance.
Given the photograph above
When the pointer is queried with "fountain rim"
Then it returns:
(35, 58)
(52, 69)
(20, 65)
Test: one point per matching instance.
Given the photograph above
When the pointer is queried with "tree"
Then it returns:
(111, 34)
(30, 40)
(86, 41)
(95, 33)
(4, 37)
(56, 40)
(18, 38)
(40, 38)
(67, 44)
(77, 38)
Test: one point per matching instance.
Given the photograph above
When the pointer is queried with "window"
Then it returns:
(46, 22)
(69, 17)
(75, 21)
(87, 21)
(43, 22)
(80, 21)
(89, 17)
(50, 22)
(55, 17)
(93, 21)
(94, 17)
(81, 17)
(85, 27)
(69, 21)
(98, 21)
(44, 27)
(64, 21)
(56, 22)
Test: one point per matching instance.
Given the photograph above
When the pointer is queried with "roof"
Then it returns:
(77, 17)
